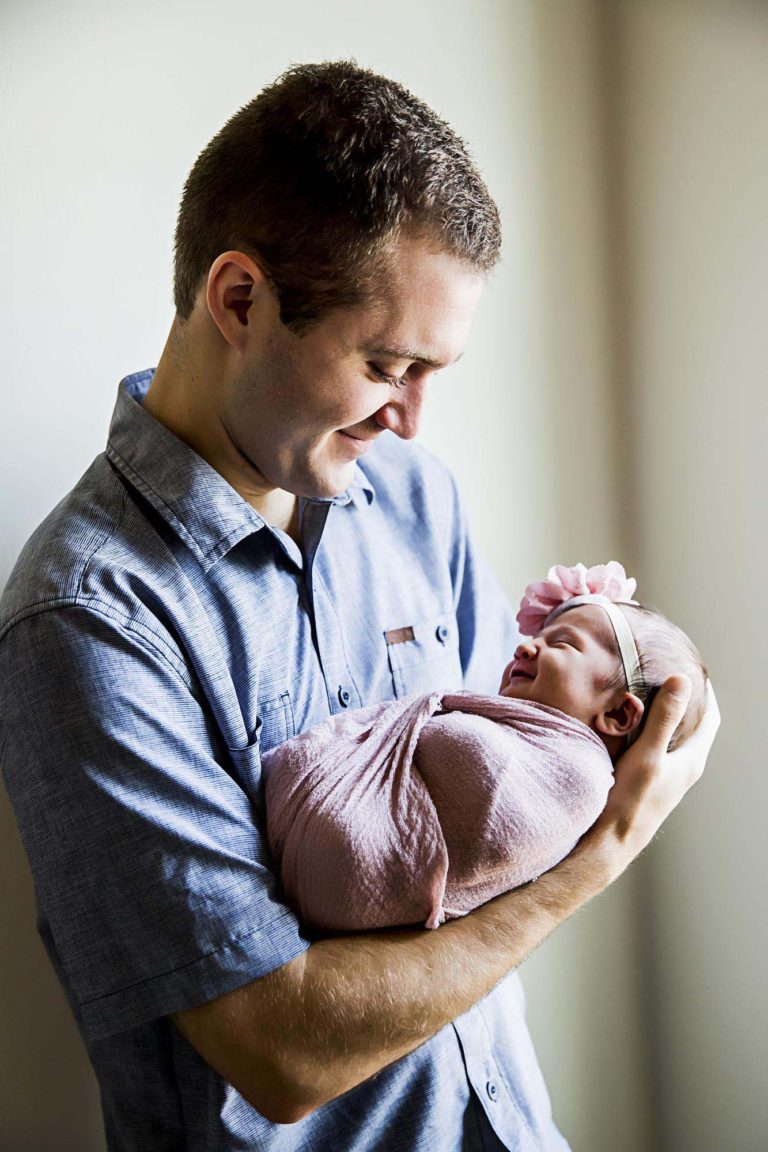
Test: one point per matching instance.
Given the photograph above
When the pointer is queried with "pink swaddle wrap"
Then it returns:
(421, 809)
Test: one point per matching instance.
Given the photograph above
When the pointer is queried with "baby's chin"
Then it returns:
(518, 689)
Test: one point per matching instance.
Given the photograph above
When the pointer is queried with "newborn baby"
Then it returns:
(421, 809)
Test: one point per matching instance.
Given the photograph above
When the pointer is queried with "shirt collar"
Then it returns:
(198, 503)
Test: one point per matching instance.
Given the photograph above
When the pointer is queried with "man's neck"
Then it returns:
(179, 398)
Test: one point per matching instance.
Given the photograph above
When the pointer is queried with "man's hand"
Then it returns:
(651, 782)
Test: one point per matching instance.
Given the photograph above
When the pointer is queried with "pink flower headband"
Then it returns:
(605, 585)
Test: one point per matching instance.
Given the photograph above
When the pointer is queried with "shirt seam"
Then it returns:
(503, 1077)
(40, 606)
(143, 636)
(238, 938)
(340, 631)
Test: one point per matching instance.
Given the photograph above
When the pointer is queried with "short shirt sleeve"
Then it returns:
(145, 838)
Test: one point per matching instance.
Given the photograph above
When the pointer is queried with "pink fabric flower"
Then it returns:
(562, 583)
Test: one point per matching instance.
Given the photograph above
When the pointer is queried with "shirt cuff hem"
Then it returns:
(243, 958)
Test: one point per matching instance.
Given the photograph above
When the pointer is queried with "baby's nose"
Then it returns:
(525, 650)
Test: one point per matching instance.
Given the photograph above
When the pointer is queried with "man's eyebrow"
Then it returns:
(396, 352)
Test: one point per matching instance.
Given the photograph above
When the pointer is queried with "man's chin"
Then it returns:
(329, 485)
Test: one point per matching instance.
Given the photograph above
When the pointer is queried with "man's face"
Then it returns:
(566, 666)
(305, 407)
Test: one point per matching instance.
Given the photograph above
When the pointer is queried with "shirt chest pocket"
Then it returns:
(424, 656)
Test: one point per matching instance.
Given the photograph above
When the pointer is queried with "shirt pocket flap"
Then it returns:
(424, 656)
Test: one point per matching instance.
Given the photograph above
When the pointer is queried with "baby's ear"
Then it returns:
(622, 720)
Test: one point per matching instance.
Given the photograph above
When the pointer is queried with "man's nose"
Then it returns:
(402, 414)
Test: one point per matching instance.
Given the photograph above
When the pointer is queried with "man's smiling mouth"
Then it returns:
(360, 439)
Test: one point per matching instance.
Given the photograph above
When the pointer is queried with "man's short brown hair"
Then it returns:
(317, 177)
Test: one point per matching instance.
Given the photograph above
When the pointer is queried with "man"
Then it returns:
(258, 547)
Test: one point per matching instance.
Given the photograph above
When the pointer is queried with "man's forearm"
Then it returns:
(399, 989)
(349, 1006)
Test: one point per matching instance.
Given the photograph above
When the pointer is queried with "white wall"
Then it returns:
(107, 105)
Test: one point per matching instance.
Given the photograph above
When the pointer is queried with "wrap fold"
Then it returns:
(421, 809)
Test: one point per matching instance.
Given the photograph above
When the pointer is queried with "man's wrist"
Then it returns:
(600, 857)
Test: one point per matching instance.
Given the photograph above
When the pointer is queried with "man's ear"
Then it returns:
(235, 293)
(622, 720)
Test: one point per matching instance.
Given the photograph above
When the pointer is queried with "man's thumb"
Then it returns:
(667, 711)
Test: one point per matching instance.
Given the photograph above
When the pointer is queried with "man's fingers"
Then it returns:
(712, 714)
(666, 712)
(696, 749)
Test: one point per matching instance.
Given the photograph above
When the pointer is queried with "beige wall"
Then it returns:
(611, 403)
(694, 151)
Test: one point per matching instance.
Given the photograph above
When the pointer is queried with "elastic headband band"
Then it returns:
(630, 658)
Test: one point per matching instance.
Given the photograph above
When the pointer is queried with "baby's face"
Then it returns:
(567, 666)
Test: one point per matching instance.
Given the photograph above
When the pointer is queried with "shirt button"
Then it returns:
(344, 696)
(492, 1090)
(442, 633)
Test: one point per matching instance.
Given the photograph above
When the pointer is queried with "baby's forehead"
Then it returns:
(588, 621)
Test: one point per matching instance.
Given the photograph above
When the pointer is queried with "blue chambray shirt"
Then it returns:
(156, 636)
